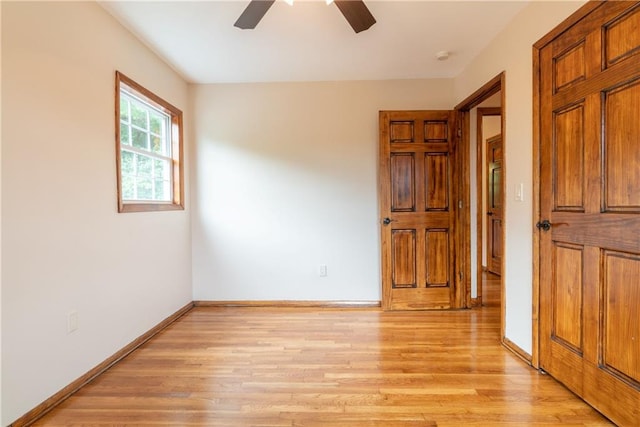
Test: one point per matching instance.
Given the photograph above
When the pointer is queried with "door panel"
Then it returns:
(622, 175)
(416, 175)
(622, 37)
(404, 258)
(568, 158)
(621, 288)
(438, 256)
(590, 193)
(403, 182)
(437, 181)
(567, 296)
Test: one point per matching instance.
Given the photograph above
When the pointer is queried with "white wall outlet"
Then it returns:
(72, 321)
(322, 270)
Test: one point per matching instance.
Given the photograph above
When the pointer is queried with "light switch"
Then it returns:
(520, 192)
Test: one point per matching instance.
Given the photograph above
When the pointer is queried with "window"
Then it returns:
(148, 150)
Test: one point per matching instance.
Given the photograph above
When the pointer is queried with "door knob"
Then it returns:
(489, 213)
(386, 221)
(544, 225)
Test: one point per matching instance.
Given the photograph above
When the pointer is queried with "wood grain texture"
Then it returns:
(569, 68)
(403, 187)
(57, 398)
(568, 151)
(403, 258)
(589, 189)
(621, 346)
(517, 350)
(289, 304)
(621, 153)
(325, 367)
(416, 185)
(567, 296)
(494, 195)
(622, 37)
(436, 169)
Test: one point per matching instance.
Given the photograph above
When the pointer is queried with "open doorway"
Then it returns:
(482, 118)
(488, 195)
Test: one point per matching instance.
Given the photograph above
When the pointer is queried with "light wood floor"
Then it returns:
(326, 367)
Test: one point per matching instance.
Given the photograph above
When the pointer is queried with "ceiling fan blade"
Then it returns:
(356, 13)
(253, 14)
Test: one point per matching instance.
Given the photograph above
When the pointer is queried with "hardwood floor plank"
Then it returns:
(311, 367)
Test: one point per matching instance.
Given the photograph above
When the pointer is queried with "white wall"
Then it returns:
(285, 180)
(511, 51)
(64, 246)
(490, 127)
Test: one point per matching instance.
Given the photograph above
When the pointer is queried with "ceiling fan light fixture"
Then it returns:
(354, 11)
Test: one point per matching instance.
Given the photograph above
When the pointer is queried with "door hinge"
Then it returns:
(459, 204)
(459, 132)
(461, 274)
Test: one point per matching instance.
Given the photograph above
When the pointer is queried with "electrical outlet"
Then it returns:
(322, 270)
(72, 321)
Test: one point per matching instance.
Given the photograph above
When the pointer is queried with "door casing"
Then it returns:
(493, 86)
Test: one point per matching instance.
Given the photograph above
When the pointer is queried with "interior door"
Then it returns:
(494, 204)
(590, 209)
(416, 194)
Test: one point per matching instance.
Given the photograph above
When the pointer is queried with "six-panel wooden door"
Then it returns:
(416, 209)
(590, 210)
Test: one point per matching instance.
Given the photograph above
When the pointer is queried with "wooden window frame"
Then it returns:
(177, 156)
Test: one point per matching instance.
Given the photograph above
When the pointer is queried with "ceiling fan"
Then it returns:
(354, 11)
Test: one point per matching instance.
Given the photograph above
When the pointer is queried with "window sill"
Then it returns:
(149, 207)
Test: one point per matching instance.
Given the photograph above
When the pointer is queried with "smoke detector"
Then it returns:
(443, 55)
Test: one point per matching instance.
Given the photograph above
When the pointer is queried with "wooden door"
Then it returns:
(494, 204)
(416, 184)
(589, 271)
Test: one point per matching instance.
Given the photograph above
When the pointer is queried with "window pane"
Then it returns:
(138, 115)
(145, 190)
(156, 145)
(128, 186)
(124, 109)
(139, 138)
(126, 163)
(167, 190)
(162, 188)
(144, 164)
(155, 120)
(124, 134)
(161, 169)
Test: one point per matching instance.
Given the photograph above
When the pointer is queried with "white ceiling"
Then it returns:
(311, 41)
